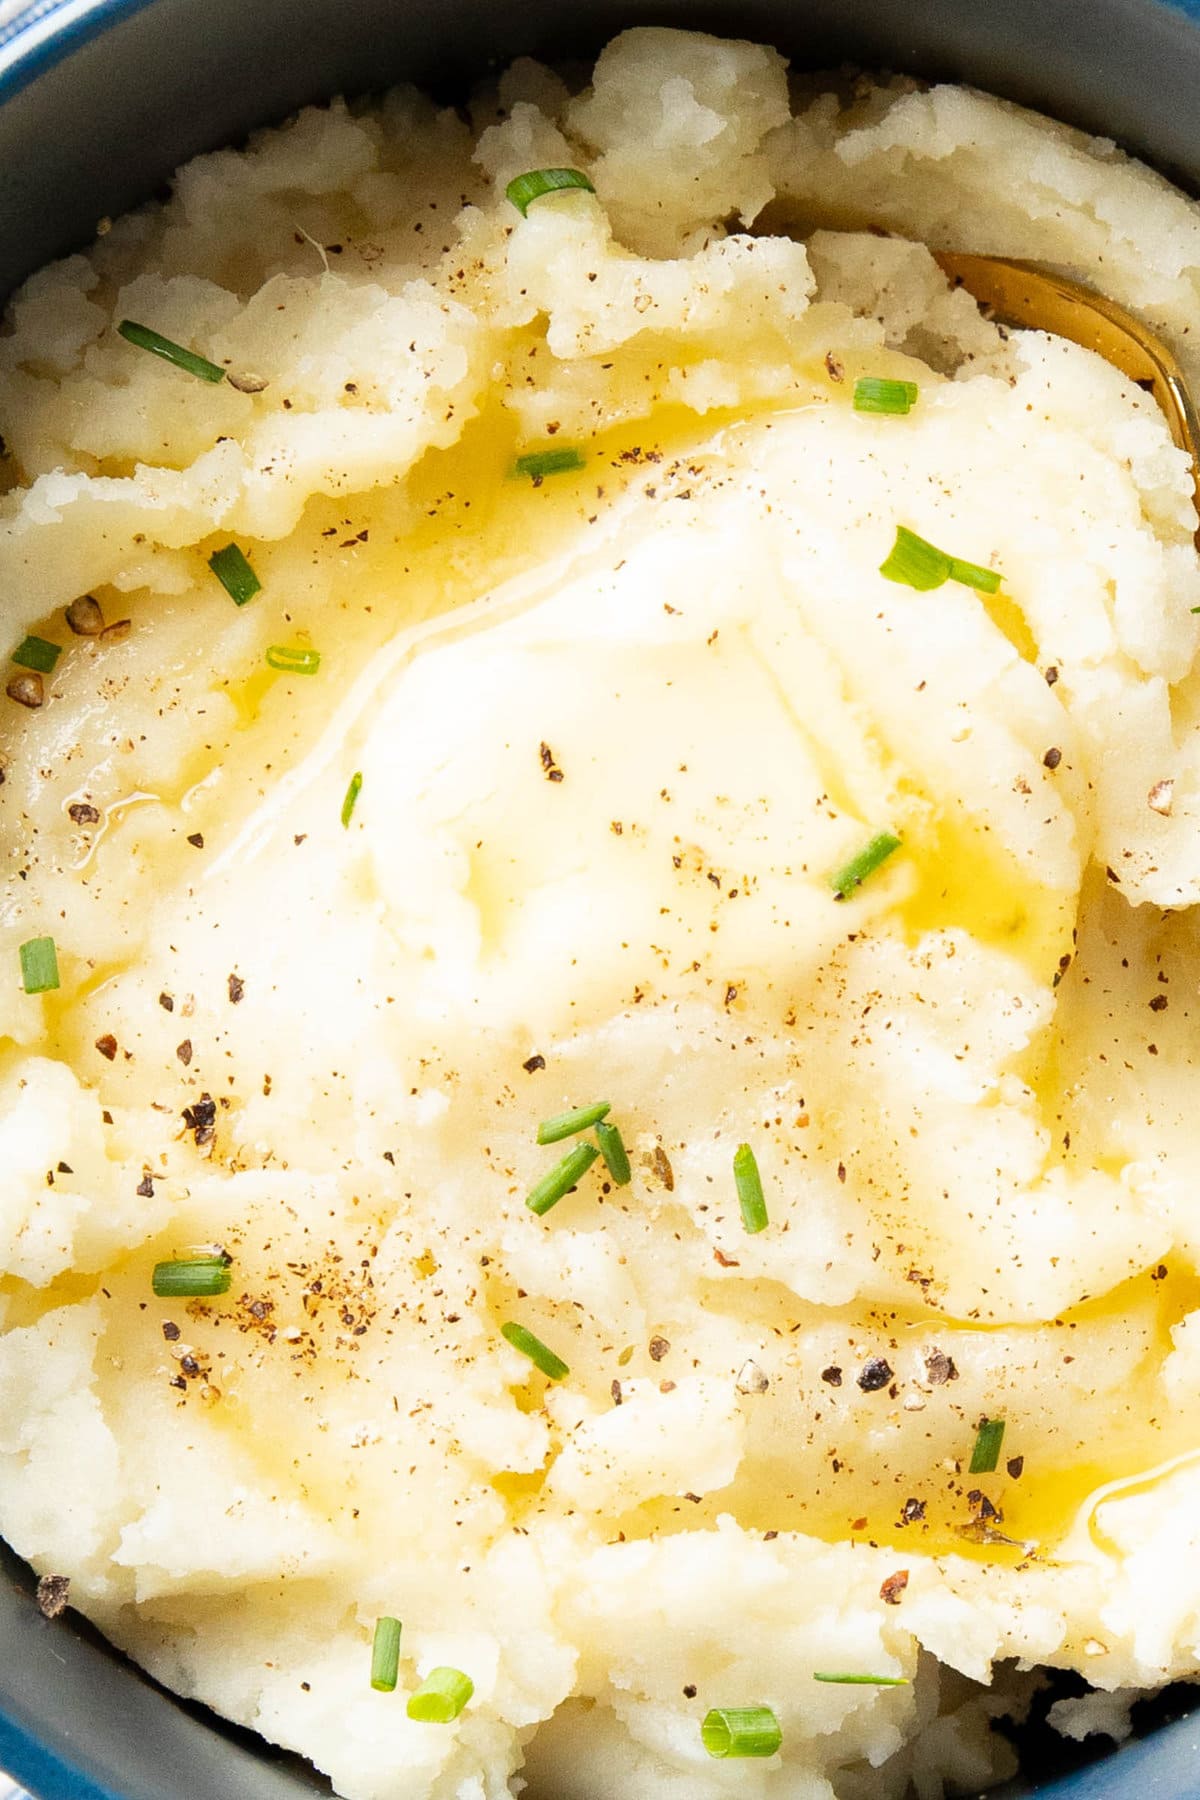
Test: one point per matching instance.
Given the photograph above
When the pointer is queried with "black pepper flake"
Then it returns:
(663, 1169)
(1159, 1003)
(53, 1594)
(912, 1512)
(170, 1331)
(532, 1064)
(939, 1368)
(658, 1348)
(615, 1391)
(184, 1051)
(80, 813)
(833, 1375)
(1015, 1466)
(166, 1002)
(875, 1373)
(1051, 675)
(145, 1186)
(237, 988)
(553, 772)
(690, 1691)
(1052, 758)
(200, 1119)
(196, 839)
(107, 1046)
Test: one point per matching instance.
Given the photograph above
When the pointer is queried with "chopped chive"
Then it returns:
(523, 189)
(570, 1124)
(37, 653)
(293, 659)
(553, 1367)
(915, 563)
(352, 793)
(39, 965)
(749, 1189)
(200, 1276)
(234, 574)
(986, 1453)
(385, 1655)
(918, 564)
(741, 1731)
(874, 394)
(853, 873)
(971, 575)
(862, 1680)
(561, 1179)
(440, 1697)
(539, 463)
(616, 1157)
(145, 339)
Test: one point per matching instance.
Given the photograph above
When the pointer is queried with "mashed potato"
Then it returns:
(553, 822)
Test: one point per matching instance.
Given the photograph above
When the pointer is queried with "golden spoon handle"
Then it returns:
(1026, 293)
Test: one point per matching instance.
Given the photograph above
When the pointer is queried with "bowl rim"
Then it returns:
(45, 32)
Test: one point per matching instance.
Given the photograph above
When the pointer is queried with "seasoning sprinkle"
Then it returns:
(293, 659)
(570, 1124)
(26, 690)
(616, 1157)
(540, 463)
(385, 1655)
(85, 617)
(875, 394)
(749, 1186)
(351, 800)
(539, 1354)
(191, 1276)
(561, 1179)
(37, 653)
(235, 574)
(741, 1731)
(440, 1697)
(522, 190)
(862, 1680)
(39, 965)
(144, 339)
(986, 1453)
(852, 874)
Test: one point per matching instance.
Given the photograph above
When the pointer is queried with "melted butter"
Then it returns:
(965, 878)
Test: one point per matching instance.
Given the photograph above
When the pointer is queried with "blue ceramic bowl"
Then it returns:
(99, 101)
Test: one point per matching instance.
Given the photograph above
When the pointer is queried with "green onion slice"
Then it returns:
(862, 1680)
(749, 1189)
(561, 1179)
(352, 793)
(741, 1731)
(570, 1124)
(553, 1367)
(986, 1453)
(293, 659)
(549, 462)
(852, 874)
(971, 575)
(191, 1276)
(523, 189)
(440, 1697)
(916, 563)
(37, 653)
(385, 1655)
(234, 574)
(874, 394)
(616, 1157)
(39, 965)
(145, 339)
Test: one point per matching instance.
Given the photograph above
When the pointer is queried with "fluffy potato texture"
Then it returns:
(554, 821)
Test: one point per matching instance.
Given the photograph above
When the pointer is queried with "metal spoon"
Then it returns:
(1027, 293)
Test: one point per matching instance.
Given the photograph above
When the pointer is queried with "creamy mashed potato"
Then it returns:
(615, 727)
